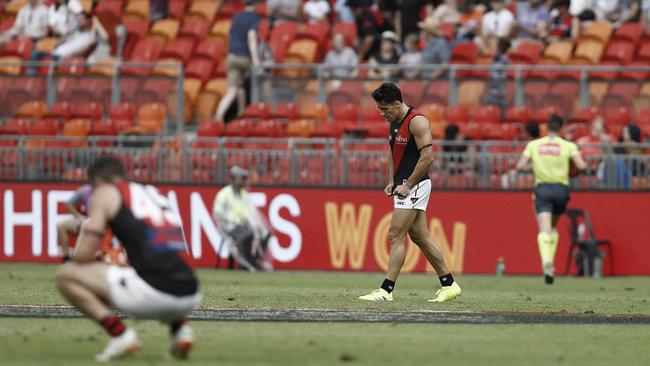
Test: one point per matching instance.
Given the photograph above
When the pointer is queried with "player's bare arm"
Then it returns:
(421, 131)
(522, 164)
(74, 211)
(390, 186)
(579, 162)
(105, 202)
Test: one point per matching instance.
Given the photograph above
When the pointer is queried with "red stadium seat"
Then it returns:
(114, 7)
(526, 53)
(630, 32)
(196, 28)
(463, 54)
(20, 46)
(285, 111)
(412, 91)
(179, 49)
(520, 114)
(457, 114)
(103, 128)
(239, 128)
(229, 9)
(282, 36)
(17, 126)
(319, 32)
(542, 115)
(257, 111)
(60, 111)
(123, 111)
(437, 92)
(618, 116)
(146, 50)
(92, 110)
(211, 49)
(210, 129)
(619, 51)
(487, 114)
(635, 75)
(44, 127)
(268, 128)
(200, 68)
(370, 114)
(535, 92)
(32, 109)
(345, 114)
(587, 115)
(137, 28)
(177, 8)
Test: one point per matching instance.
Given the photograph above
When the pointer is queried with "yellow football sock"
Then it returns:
(544, 245)
(555, 239)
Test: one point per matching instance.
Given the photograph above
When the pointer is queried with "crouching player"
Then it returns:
(158, 285)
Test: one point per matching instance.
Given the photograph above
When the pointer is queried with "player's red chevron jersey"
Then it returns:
(152, 235)
(404, 149)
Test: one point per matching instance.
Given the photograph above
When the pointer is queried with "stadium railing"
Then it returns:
(353, 163)
(81, 82)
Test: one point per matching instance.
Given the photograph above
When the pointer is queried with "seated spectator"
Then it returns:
(342, 57)
(61, 16)
(496, 24)
(597, 135)
(563, 25)
(387, 55)
(412, 56)
(31, 22)
(243, 52)
(497, 93)
(436, 50)
(369, 28)
(283, 10)
(316, 10)
(532, 19)
(532, 131)
(603, 9)
(627, 167)
(77, 43)
(407, 16)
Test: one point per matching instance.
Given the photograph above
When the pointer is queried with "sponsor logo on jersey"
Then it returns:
(401, 140)
(550, 149)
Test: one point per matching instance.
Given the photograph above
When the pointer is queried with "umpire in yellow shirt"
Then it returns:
(550, 156)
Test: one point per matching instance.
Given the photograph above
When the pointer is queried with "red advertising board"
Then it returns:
(334, 229)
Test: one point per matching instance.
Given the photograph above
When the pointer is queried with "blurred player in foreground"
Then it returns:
(77, 205)
(550, 156)
(409, 184)
(158, 285)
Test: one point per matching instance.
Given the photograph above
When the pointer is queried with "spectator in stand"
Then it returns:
(497, 93)
(283, 10)
(387, 55)
(343, 11)
(532, 19)
(563, 25)
(532, 131)
(31, 22)
(412, 56)
(436, 50)
(369, 28)
(496, 24)
(242, 53)
(62, 16)
(316, 10)
(342, 57)
(407, 16)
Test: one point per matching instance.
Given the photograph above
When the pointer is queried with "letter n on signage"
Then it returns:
(347, 233)
(453, 255)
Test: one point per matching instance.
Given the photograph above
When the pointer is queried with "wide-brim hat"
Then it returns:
(430, 25)
(390, 35)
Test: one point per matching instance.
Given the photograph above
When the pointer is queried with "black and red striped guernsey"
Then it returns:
(152, 235)
(404, 149)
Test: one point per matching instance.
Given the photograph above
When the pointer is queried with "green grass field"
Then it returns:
(25, 341)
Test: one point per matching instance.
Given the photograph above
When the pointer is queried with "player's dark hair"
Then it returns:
(555, 123)
(387, 93)
(106, 168)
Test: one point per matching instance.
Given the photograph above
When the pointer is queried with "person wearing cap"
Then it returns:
(243, 52)
(369, 28)
(387, 55)
(231, 212)
(436, 50)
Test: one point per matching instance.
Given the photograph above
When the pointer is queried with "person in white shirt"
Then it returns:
(61, 16)
(78, 42)
(31, 22)
(498, 23)
(343, 58)
(316, 10)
